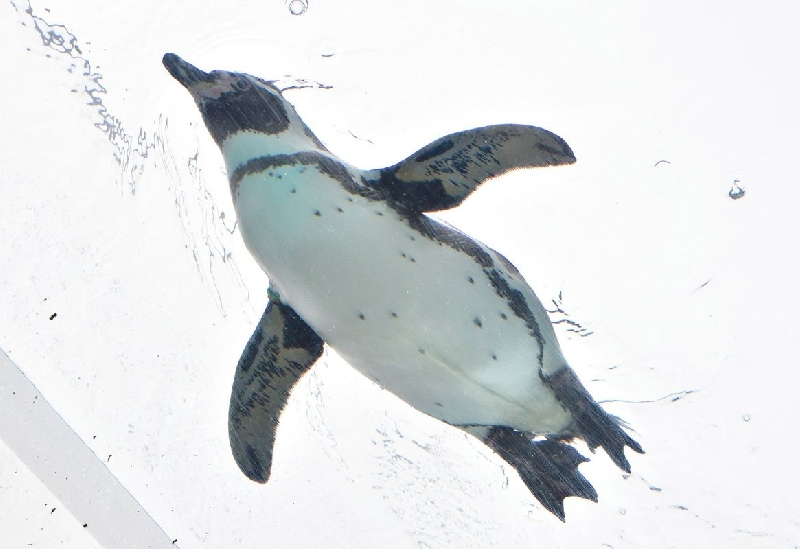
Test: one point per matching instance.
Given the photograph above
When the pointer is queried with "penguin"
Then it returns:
(444, 322)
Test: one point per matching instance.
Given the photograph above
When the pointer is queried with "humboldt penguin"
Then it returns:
(441, 320)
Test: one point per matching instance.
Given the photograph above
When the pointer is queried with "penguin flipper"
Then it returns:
(589, 421)
(442, 174)
(282, 348)
(549, 468)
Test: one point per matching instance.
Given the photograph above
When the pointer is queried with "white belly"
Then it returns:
(418, 317)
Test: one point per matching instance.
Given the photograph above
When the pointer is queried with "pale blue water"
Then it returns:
(675, 291)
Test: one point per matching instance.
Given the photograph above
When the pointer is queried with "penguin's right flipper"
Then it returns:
(282, 348)
(549, 468)
(443, 173)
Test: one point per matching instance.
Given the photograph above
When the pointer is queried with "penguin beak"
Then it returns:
(185, 73)
(204, 86)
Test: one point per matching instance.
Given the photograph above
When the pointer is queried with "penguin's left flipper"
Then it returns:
(549, 468)
(282, 348)
(442, 174)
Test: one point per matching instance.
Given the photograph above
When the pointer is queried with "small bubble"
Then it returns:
(327, 50)
(298, 7)
(623, 511)
(746, 417)
(737, 191)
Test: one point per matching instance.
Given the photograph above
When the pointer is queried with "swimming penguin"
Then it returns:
(442, 321)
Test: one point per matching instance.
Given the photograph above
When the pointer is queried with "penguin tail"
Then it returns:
(549, 468)
(589, 421)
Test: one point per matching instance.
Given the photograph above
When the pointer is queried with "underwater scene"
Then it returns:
(305, 273)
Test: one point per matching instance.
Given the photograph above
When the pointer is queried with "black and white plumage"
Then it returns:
(442, 321)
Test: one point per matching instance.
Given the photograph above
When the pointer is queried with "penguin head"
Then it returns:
(232, 102)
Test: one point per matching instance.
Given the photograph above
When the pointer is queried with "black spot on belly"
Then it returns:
(446, 235)
(294, 191)
(494, 356)
(504, 316)
(394, 314)
(518, 305)
(361, 316)
(421, 351)
(471, 280)
(477, 322)
(317, 213)
(339, 210)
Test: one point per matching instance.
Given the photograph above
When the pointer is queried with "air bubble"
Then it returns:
(746, 418)
(298, 7)
(737, 191)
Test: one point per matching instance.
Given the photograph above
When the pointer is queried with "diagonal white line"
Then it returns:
(49, 447)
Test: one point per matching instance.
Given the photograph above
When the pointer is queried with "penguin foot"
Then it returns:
(589, 421)
(548, 468)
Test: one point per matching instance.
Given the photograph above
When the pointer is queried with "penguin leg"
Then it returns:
(589, 421)
(282, 348)
(549, 468)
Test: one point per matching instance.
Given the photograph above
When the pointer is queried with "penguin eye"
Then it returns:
(242, 84)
